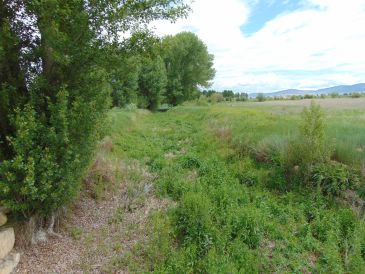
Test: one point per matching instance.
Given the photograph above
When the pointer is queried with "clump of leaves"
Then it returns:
(333, 178)
(76, 233)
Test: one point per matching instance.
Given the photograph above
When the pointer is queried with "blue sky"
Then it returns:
(264, 11)
(268, 45)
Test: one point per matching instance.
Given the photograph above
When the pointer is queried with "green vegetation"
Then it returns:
(161, 71)
(245, 187)
(260, 97)
(152, 84)
(188, 65)
(236, 209)
(57, 61)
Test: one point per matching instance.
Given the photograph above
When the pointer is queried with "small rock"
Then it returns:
(7, 240)
(147, 188)
(3, 219)
(8, 264)
(39, 237)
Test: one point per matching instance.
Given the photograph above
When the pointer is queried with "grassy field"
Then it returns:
(344, 117)
(232, 210)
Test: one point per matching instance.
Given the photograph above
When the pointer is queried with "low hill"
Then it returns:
(338, 89)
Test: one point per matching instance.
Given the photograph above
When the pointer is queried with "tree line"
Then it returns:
(169, 71)
(62, 65)
(225, 95)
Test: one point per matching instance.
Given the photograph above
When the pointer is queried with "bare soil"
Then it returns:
(95, 233)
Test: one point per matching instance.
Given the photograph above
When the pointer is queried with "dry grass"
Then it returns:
(222, 130)
(224, 134)
(102, 175)
(99, 229)
(297, 105)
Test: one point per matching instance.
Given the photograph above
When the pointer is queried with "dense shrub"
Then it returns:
(216, 98)
(202, 101)
(261, 97)
(334, 95)
(356, 95)
(249, 178)
(333, 178)
(190, 161)
(309, 148)
(50, 156)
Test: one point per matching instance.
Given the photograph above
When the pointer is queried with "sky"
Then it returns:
(270, 45)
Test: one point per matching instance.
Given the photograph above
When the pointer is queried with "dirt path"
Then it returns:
(98, 233)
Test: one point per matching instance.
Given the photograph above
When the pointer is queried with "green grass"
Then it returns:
(234, 212)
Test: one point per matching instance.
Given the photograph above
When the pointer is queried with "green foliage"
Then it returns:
(194, 223)
(310, 148)
(152, 83)
(249, 178)
(202, 101)
(356, 95)
(260, 97)
(49, 161)
(57, 69)
(188, 65)
(190, 161)
(76, 233)
(217, 224)
(125, 82)
(309, 96)
(246, 226)
(334, 178)
(312, 127)
(228, 95)
(118, 216)
(216, 98)
(140, 75)
(241, 96)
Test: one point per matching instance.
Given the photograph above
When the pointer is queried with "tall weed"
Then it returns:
(307, 149)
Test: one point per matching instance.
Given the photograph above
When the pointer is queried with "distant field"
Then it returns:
(345, 120)
(296, 105)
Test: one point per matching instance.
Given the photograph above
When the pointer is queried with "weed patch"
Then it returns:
(261, 195)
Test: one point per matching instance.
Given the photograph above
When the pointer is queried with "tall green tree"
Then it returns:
(188, 64)
(125, 81)
(55, 90)
(125, 66)
(228, 95)
(152, 83)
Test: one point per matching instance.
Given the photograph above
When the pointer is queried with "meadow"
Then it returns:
(233, 206)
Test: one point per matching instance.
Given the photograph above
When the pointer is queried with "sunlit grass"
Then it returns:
(230, 214)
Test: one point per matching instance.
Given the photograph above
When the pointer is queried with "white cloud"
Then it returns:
(327, 43)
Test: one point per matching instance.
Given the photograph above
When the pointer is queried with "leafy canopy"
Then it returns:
(188, 64)
(56, 63)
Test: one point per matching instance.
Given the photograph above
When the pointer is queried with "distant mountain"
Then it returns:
(343, 89)
(339, 89)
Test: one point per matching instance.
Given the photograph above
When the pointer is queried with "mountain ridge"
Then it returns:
(341, 89)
